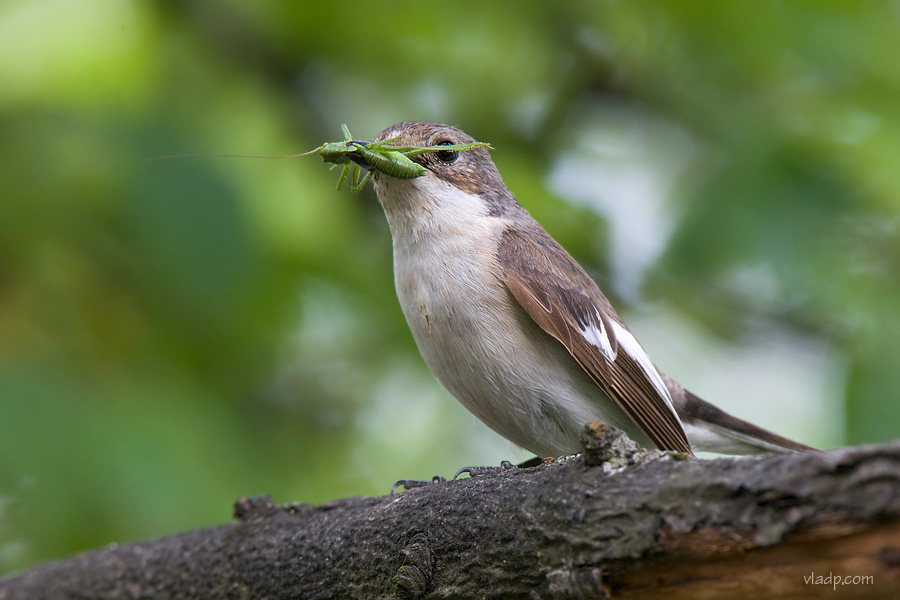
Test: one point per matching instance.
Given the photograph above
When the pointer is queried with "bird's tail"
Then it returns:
(712, 429)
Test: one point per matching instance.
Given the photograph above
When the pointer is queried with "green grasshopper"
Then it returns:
(381, 156)
(352, 154)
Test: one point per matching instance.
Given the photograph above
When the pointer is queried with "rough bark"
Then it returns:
(608, 522)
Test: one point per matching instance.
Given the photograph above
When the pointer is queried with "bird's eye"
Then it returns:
(446, 156)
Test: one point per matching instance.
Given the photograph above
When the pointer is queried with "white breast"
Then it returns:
(473, 336)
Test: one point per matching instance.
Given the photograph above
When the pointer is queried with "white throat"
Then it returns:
(429, 206)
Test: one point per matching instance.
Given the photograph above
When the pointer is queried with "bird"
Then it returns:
(514, 328)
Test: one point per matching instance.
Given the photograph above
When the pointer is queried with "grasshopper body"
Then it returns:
(380, 156)
(391, 162)
(353, 154)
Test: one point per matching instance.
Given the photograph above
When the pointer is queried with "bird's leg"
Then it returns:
(534, 461)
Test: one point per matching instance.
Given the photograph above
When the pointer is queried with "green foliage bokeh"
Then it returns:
(175, 334)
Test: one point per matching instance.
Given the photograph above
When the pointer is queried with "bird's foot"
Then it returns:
(410, 484)
(478, 471)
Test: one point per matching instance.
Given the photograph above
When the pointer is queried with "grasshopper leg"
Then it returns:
(363, 181)
(344, 172)
(354, 179)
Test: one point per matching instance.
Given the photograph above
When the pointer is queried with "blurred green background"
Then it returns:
(176, 334)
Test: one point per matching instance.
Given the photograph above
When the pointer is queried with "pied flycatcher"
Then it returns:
(515, 329)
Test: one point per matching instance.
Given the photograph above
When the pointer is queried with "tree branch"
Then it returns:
(612, 521)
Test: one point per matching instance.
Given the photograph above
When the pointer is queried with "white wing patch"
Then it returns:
(599, 338)
(631, 346)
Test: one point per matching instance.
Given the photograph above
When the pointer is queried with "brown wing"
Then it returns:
(566, 303)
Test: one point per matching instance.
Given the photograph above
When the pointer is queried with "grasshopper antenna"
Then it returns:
(169, 156)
